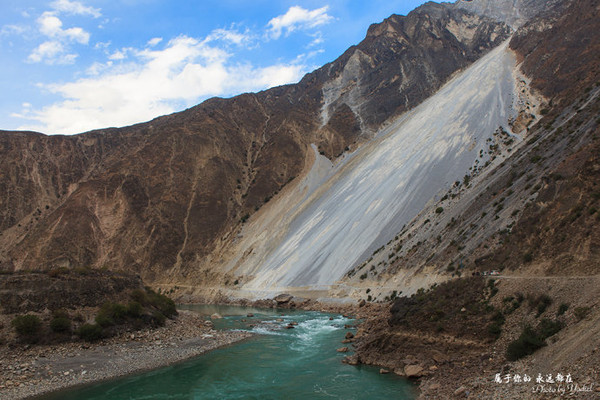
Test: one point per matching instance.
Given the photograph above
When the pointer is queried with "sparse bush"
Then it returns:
(540, 303)
(28, 327)
(562, 308)
(164, 304)
(111, 314)
(90, 332)
(60, 325)
(439, 210)
(158, 318)
(134, 309)
(498, 317)
(581, 312)
(527, 343)
(549, 328)
(139, 295)
(495, 329)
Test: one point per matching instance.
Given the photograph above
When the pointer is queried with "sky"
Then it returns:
(69, 66)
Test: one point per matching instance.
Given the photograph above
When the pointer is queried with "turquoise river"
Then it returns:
(276, 363)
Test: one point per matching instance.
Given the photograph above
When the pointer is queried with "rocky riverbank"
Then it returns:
(443, 339)
(27, 371)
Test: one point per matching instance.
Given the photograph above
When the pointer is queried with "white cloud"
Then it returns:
(57, 49)
(51, 26)
(154, 41)
(12, 30)
(75, 8)
(51, 52)
(231, 36)
(298, 18)
(154, 82)
(118, 55)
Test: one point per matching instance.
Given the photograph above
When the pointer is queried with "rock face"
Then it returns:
(513, 12)
(25, 292)
(165, 198)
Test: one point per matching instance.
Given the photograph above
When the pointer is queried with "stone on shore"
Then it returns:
(351, 360)
(413, 371)
(283, 298)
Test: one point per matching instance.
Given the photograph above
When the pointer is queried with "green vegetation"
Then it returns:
(146, 307)
(581, 312)
(439, 210)
(531, 339)
(28, 327)
(90, 332)
(562, 309)
(495, 327)
(454, 307)
(60, 323)
(540, 302)
(527, 343)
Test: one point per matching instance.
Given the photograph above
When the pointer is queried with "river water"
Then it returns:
(277, 363)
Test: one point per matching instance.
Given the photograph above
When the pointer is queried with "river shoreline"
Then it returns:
(28, 372)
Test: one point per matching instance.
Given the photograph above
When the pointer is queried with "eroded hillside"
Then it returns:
(165, 198)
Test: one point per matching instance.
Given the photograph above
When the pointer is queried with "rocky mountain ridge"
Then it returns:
(161, 198)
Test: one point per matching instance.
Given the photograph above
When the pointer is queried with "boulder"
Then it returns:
(384, 371)
(283, 298)
(413, 371)
(349, 335)
(362, 303)
(216, 316)
(249, 315)
(342, 350)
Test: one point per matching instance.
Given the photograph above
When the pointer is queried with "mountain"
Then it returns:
(533, 218)
(166, 198)
(513, 12)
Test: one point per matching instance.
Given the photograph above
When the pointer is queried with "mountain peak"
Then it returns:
(512, 12)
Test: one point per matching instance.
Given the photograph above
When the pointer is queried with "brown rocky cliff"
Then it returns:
(162, 195)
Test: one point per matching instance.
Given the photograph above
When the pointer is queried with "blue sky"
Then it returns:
(73, 65)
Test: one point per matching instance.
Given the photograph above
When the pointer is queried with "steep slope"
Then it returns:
(384, 184)
(534, 218)
(533, 212)
(165, 198)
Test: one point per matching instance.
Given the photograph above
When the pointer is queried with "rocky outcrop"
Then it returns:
(513, 12)
(25, 292)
